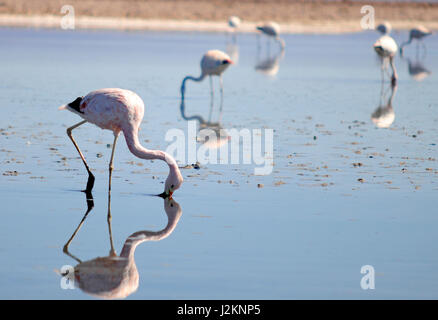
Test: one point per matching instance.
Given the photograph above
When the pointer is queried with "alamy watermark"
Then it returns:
(368, 280)
(367, 21)
(223, 146)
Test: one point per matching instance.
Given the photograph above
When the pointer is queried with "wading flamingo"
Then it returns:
(418, 34)
(272, 30)
(213, 63)
(234, 23)
(119, 110)
(384, 28)
(386, 48)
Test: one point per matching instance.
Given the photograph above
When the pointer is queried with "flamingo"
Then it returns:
(213, 63)
(272, 29)
(119, 110)
(384, 28)
(386, 48)
(234, 23)
(418, 34)
(384, 115)
(113, 276)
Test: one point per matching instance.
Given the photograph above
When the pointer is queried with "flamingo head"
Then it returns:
(227, 62)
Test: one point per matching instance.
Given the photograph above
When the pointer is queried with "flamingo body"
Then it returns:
(272, 30)
(385, 46)
(215, 62)
(234, 22)
(111, 109)
(418, 34)
(120, 110)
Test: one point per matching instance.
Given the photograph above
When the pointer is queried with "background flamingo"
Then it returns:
(418, 34)
(234, 24)
(213, 63)
(272, 30)
(386, 48)
(119, 110)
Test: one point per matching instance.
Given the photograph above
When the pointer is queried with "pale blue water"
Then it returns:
(305, 238)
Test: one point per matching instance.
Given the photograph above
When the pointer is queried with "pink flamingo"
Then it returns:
(119, 110)
(213, 63)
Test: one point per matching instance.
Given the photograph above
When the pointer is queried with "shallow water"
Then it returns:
(343, 193)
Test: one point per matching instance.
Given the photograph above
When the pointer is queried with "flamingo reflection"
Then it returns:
(384, 115)
(113, 276)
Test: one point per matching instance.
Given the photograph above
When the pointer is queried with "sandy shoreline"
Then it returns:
(294, 16)
(321, 27)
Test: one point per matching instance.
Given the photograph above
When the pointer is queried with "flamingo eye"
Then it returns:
(225, 61)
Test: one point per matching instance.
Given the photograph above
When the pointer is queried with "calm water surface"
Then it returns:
(343, 193)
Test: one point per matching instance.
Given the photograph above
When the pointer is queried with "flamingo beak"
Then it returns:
(165, 195)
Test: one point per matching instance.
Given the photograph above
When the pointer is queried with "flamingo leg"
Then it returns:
(211, 97)
(109, 218)
(394, 72)
(222, 92)
(110, 231)
(111, 166)
(90, 182)
(90, 206)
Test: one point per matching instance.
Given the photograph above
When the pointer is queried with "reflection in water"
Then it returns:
(211, 134)
(384, 115)
(416, 68)
(233, 51)
(115, 277)
(270, 65)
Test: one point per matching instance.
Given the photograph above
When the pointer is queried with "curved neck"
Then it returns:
(141, 236)
(141, 152)
(183, 85)
(406, 42)
(183, 113)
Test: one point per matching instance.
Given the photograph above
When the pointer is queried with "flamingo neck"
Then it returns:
(139, 237)
(141, 152)
(183, 85)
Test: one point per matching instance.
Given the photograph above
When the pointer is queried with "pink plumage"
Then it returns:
(120, 110)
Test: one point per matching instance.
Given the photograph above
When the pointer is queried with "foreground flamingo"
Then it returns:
(272, 29)
(119, 110)
(417, 33)
(213, 63)
(386, 48)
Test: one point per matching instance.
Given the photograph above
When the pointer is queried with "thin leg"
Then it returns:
(394, 72)
(90, 206)
(90, 182)
(382, 72)
(222, 92)
(212, 98)
(111, 167)
(112, 250)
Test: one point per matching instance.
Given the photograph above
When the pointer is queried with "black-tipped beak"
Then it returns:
(165, 195)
